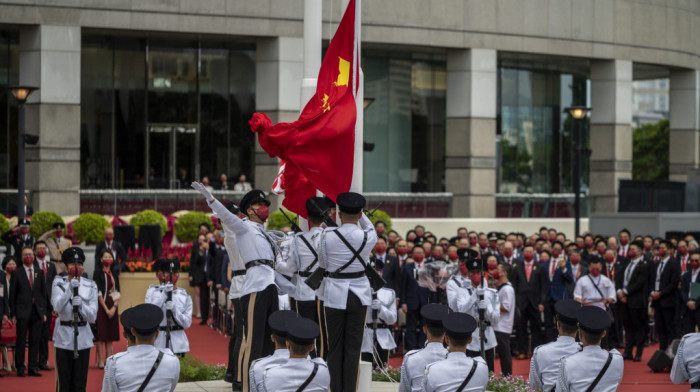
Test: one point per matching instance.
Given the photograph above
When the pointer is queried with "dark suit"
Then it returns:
(691, 318)
(118, 252)
(28, 305)
(46, 325)
(664, 307)
(613, 272)
(529, 295)
(391, 271)
(18, 242)
(570, 286)
(634, 312)
(556, 291)
(414, 297)
(214, 262)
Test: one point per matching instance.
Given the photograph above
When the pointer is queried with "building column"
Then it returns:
(470, 164)
(611, 132)
(49, 58)
(279, 71)
(684, 145)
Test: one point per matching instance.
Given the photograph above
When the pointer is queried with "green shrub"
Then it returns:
(4, 224)
(193, 369)
(43, 221)
(90, 228)
(277, 221)
(380, 215)
(149, 217)
(386, 374)
(187, 226)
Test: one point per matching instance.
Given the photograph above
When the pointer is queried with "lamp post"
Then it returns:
(21, 93)
(578, 113)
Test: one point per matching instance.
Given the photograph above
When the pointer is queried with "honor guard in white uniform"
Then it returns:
(278, 324)
(457, 372)
(472, 300)
(258, 252)
(415, 361)
(299, 373)
(686, 363)
(593, 369)
(142, 367)
(74, 299)
(345, 291)
(380, 318)
(176, 305)
(544, 365)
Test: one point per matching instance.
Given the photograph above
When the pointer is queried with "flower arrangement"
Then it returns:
(180, 252)
(386, 374)
(501, 383)
(193, 369)
(139, 260)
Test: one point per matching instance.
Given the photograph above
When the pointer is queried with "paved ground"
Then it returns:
(220, 386)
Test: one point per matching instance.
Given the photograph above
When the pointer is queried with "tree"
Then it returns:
(650, 151)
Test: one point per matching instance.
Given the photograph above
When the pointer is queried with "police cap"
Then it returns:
(24, 223)
(433, 314)
(301, 330)
(466, 254)
(593, 319)
(567, 311)
(351, 202)
(59, 225)
(459, 325)
(493, 236)
(329, 202)
(252, 197)
(73, 255)
(476, 265)
(278, 321)
(315, 207)
(232, 207)
(144, 319)
(166, 264)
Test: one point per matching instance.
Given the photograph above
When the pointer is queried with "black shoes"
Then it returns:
(33, 373)
(45, 367)
(228, 378)
(237, 386)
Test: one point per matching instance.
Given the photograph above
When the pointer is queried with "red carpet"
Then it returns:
(211, 347)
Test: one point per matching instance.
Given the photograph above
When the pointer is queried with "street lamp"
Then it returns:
(578, 113)
(21, 93)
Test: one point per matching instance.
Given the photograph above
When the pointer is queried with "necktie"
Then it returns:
(684, 264)
(552, 269)
(43, 267)
(528, 270)
(31, 278)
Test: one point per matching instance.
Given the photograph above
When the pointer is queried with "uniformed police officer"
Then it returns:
(74, 299)
(467, 300)
(457, 372)
(258, 252)
(278, 324)
(129, 370)
(415, 361)
(686, 363)
(346, 292)
(592, 369)
(381, 317)
(299, 373)
(176, 305)
(544, 365)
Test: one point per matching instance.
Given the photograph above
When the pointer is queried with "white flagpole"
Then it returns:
(357, 175)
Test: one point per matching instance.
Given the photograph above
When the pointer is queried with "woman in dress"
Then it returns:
(107, 316)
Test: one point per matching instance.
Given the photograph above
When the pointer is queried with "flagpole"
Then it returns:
(357, 171)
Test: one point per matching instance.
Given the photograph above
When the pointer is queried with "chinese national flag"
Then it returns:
(317, 150)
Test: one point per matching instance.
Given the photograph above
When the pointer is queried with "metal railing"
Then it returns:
(539, 205)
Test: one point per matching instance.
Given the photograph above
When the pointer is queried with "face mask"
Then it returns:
(624, 241)
(543, 259)
(682, 250)
(632, 254)
(647, 247)
(28, 260)
(492, 245)
(463, 235)
(107, 262)
(59, 234)
(400, 252)
(463, 269)
(609, 258)
(173, 279)
(391, 241)
(475, 278)
(495, 274)
(595, 273)
(588, 244)
(412, 238)
(41, 253)
(492, 265)
(75, 271)
(508, 252)
(452, 256)
(437, 255)
(472, 241)
(545, 237)
(528, 257)
(519, 244)
(418, 257)
(575, 259)
(24, 230)
(161, 276)
(380, 231)
(601, 251)
(380, 249)
(11, 269)
(483, 244)
(538, 248)
(662, 253)
(579, 245)
(556, 253)
(263, 213)
(109, 237)
(695, 264)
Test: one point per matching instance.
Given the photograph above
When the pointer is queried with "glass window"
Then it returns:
(9, 75)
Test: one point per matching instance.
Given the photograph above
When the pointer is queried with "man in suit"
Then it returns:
(578, 270)
(613, 268)
(213, 274)
(117, 250)
(43, 262)
(28, 306)
(391, 271)
(667, 275)
(624, 238)
(412, 299)
(530, 283)
(632, 299)
(558, 273)
(19, 238)
(56, 244)
(692, 303)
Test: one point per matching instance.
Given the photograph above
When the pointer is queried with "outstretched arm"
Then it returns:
(229, 219)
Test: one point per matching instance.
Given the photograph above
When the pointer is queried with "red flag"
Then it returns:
(317, 150)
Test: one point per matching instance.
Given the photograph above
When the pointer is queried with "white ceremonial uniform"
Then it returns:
(577, 371)
(289, 376)
(302, 257)
(333, 254)
(544, 365)
(686, 364)
(182, 316)
(61, 295)
(506, 294)
(126, 371)
(448, 374)
(284, 302)
(461, 289)
(414, 363)
(236, 263)
(386, 315)
(465, 300)
(586, 290)
(258, 367)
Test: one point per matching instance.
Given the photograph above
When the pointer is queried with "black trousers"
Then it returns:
(503, 350)
(413, 335)
(550, 326)
(72, 373)
(313, 310)
(204, 301)
(257, 307)
(376, 362)
(615, 336)
(635, 322)
(663, 320)
(33, 325)
(345, 330)
(489, 357)
(235, 344)
(532, 315)
(691, 320)
(215, 308)
(44, 341)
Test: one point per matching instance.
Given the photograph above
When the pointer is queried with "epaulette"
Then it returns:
(408, 354)
(319, 361)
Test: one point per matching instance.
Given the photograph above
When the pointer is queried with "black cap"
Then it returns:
(459, 325)
(24, 222)
(73, 255)
(466, 254)
(476, 265)
(59, 225)
(278, 321)
(638, 244)
(593, 319)
(493, 236)
(329, 202)
(315, 207)
(567, 311)
(351, 202)
(502, 236)
(232, 207)
(144, 319)
(433, 314)
(376, 263)
(165, 265)
(301, 330)
(252, 197)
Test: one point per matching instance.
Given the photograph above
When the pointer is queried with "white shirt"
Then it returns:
(258, 367)
(387, 315)
(577, 371)
(235, 261)
(302, 257)
(465, 300)
(182, 315)
(448, 374)
(414, 363)
(333, 254)
(126, 371)
(29, 271)
(686, 363)
(61, 295)
(291, 375)
(506, 295)
(585, 290)
(544, 365)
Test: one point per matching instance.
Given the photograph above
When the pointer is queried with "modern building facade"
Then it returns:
(469, 95)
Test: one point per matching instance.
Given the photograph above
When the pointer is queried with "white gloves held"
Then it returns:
(376, 304)
(74, 283)
(199, 187)
(168, 287)
(76, 301)
(169, 305)
(482, 305)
